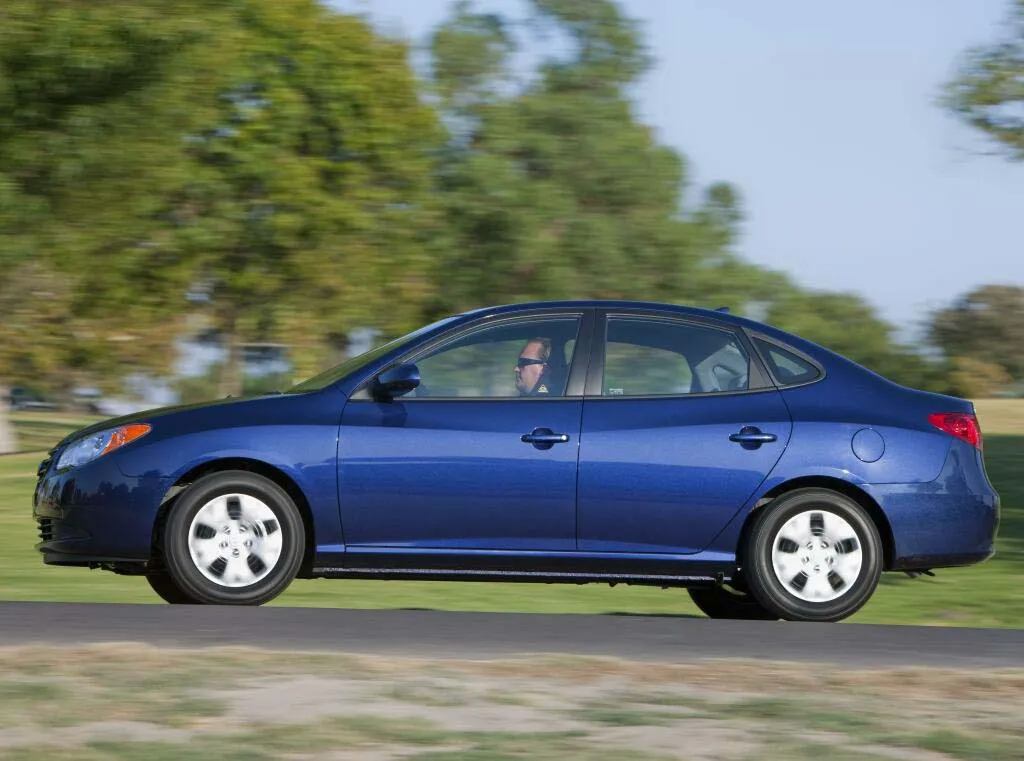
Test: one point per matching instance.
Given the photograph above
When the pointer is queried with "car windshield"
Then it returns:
(352, 364)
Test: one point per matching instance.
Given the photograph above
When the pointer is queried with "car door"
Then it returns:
(467, 461)
(680, 426)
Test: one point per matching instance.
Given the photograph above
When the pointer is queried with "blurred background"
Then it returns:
(223, 197)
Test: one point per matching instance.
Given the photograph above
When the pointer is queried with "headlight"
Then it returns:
(98, 444)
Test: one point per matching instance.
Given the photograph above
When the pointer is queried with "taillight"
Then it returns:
(963, 425)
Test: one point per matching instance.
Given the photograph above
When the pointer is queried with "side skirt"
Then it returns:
(661, 571)
(535, 577)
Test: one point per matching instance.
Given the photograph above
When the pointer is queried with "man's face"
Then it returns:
(530, 367)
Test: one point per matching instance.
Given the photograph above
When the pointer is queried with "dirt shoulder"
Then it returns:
(133, 702)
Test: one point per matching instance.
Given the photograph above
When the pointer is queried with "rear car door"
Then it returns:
(680, 427)
(467, 461)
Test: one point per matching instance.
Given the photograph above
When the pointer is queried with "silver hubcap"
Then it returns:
(817, 556)
(235, 540)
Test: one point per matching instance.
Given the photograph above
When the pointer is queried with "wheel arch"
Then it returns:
(839, 486)
(258, 467)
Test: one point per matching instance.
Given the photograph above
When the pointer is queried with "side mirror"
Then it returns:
(397, 380)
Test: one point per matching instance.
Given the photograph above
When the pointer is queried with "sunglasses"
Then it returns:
(526, 362)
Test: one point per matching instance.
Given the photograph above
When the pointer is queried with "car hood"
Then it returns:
(146, 416)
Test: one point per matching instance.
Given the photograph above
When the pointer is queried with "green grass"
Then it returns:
(989, 594)
(617, 716)
(808, 714)
(969, 747)
(38, 431)
(305, 741)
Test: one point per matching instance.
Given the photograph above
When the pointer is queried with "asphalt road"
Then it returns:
(438, 634)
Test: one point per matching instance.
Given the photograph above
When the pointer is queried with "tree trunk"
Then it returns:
(8, 441)
(231, 373)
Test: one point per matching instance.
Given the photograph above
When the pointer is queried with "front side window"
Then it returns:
(352, 364)
(651, 357)
(522, 358)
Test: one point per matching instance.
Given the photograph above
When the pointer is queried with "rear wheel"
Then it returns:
(813, 555)
(726, 602)
(233, 538)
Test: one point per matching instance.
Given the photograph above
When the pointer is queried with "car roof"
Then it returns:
(694, 311)
(592, 303)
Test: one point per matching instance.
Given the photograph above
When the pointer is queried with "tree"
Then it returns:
(985, 325)
(847, 325)
(988, 90)
(552, 188)
(974, 379)
(83, 147)
(301, 209)
(269, 159)
(983, 331)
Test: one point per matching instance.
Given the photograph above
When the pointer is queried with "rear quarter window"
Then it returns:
(788, 368)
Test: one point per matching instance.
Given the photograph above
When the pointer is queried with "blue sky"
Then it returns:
(823, 114)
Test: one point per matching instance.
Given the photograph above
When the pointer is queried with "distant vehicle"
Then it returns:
(25, 399)
(660, 445)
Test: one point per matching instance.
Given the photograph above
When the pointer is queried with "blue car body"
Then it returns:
(648, 489)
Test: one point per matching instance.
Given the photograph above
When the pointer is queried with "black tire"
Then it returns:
(773, 594)
(161, 582)
(184, 573)
(725, 602)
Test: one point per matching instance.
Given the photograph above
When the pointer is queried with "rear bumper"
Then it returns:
(951, 521)
(96, 514)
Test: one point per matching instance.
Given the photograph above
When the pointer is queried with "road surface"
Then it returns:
(440, 634)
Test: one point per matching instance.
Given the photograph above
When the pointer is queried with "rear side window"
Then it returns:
(788, 368)
(656, 357)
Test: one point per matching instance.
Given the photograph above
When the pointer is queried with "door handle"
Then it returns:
(544, 438)
(751, 437)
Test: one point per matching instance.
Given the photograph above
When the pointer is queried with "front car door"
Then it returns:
(446, 467)
(680, 426)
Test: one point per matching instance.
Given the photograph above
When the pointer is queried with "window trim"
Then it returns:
(822, 372)
(758, 381)
(577, 366)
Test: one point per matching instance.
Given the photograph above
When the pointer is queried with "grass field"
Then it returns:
(990, 594)
(38, 431)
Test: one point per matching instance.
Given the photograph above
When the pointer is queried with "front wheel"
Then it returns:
(813, 555)
(161, 582)
(233, 538)
(725, 602)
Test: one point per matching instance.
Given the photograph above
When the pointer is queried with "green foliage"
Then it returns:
(988, 90)
(976, 379)
(609, 48)
(553, 189)
(272, 155)
(271, 171)
(80, 101)
(846, 324)
(986, 325)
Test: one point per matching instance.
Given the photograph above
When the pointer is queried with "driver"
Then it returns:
(532, 368)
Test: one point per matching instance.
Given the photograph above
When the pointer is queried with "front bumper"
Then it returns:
(95, 513)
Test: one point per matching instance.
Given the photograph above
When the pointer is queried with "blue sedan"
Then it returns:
(557, 442)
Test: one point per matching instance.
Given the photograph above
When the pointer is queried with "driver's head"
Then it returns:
(532, 362)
